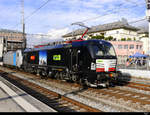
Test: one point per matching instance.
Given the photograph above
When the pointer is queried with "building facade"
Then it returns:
(127, 39)
(118, 30)
(143, 36)
(126, 48)
(11, 40)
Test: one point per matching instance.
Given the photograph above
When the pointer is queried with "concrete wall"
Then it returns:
(136, 73)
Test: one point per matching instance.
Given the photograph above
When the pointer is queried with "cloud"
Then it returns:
(62, 13)
(57, 33)
(52, 36)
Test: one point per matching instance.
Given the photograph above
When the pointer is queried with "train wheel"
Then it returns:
(61, 76)
(43, 74)
(69, 79)
(57, 76)
(80, 81)
(107, 84)
(74, 78)
(87, 82)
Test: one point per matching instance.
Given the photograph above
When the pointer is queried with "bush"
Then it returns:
(101, 37)
(123, 39)
(128, 39)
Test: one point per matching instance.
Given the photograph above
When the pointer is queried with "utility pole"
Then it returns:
(148, 18)
(23, 24)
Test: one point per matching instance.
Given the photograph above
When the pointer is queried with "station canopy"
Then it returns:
(138, 55)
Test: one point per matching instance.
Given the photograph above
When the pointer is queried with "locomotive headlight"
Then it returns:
(111, 75)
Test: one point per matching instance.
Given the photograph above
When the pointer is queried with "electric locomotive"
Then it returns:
(90, 62)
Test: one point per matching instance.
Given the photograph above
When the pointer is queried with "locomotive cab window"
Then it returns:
(102, 50)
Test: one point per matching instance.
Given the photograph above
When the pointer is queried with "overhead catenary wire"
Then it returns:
(93, 18)
(112, 12)
(86, 20)
(115, 12)
(131, 22)
(30, 15)
(131, 2)
(37, 9)
(137, 21)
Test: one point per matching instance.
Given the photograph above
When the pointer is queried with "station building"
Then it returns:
(127, 39)
(10, 40)
(126, 48)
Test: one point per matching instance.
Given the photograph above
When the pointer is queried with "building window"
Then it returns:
(125, 46)
(119, 46)
(129, 32)
(137, 46)
(131, 46)
(140, 46)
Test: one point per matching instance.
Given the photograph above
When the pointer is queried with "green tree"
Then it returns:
(101, 37)
(109, 38)
(128, 39)
(123, 39)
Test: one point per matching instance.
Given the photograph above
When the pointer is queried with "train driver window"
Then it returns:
(17, 54)
(97, 51)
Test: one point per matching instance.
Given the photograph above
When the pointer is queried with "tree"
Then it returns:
(101, 37)
(109, 38)
(128, 39)
(123, 39)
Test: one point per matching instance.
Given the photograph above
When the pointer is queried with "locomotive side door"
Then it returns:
(74, 59)
(84, 59)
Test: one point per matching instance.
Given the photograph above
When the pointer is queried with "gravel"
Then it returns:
(103, 102)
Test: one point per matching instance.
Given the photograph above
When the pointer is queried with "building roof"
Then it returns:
(105, 27)
(143, 31)
(9, 31)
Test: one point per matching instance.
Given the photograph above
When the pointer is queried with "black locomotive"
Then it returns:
(90, 62)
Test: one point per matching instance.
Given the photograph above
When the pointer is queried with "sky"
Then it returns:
(55, 17)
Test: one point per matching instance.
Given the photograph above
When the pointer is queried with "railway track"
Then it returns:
(53, 99)
(130, 97)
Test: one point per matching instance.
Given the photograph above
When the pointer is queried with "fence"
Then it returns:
(140, 64)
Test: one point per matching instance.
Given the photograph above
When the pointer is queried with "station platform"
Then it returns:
(13, 99)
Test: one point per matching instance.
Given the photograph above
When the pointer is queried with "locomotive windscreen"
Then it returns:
(103, 50)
